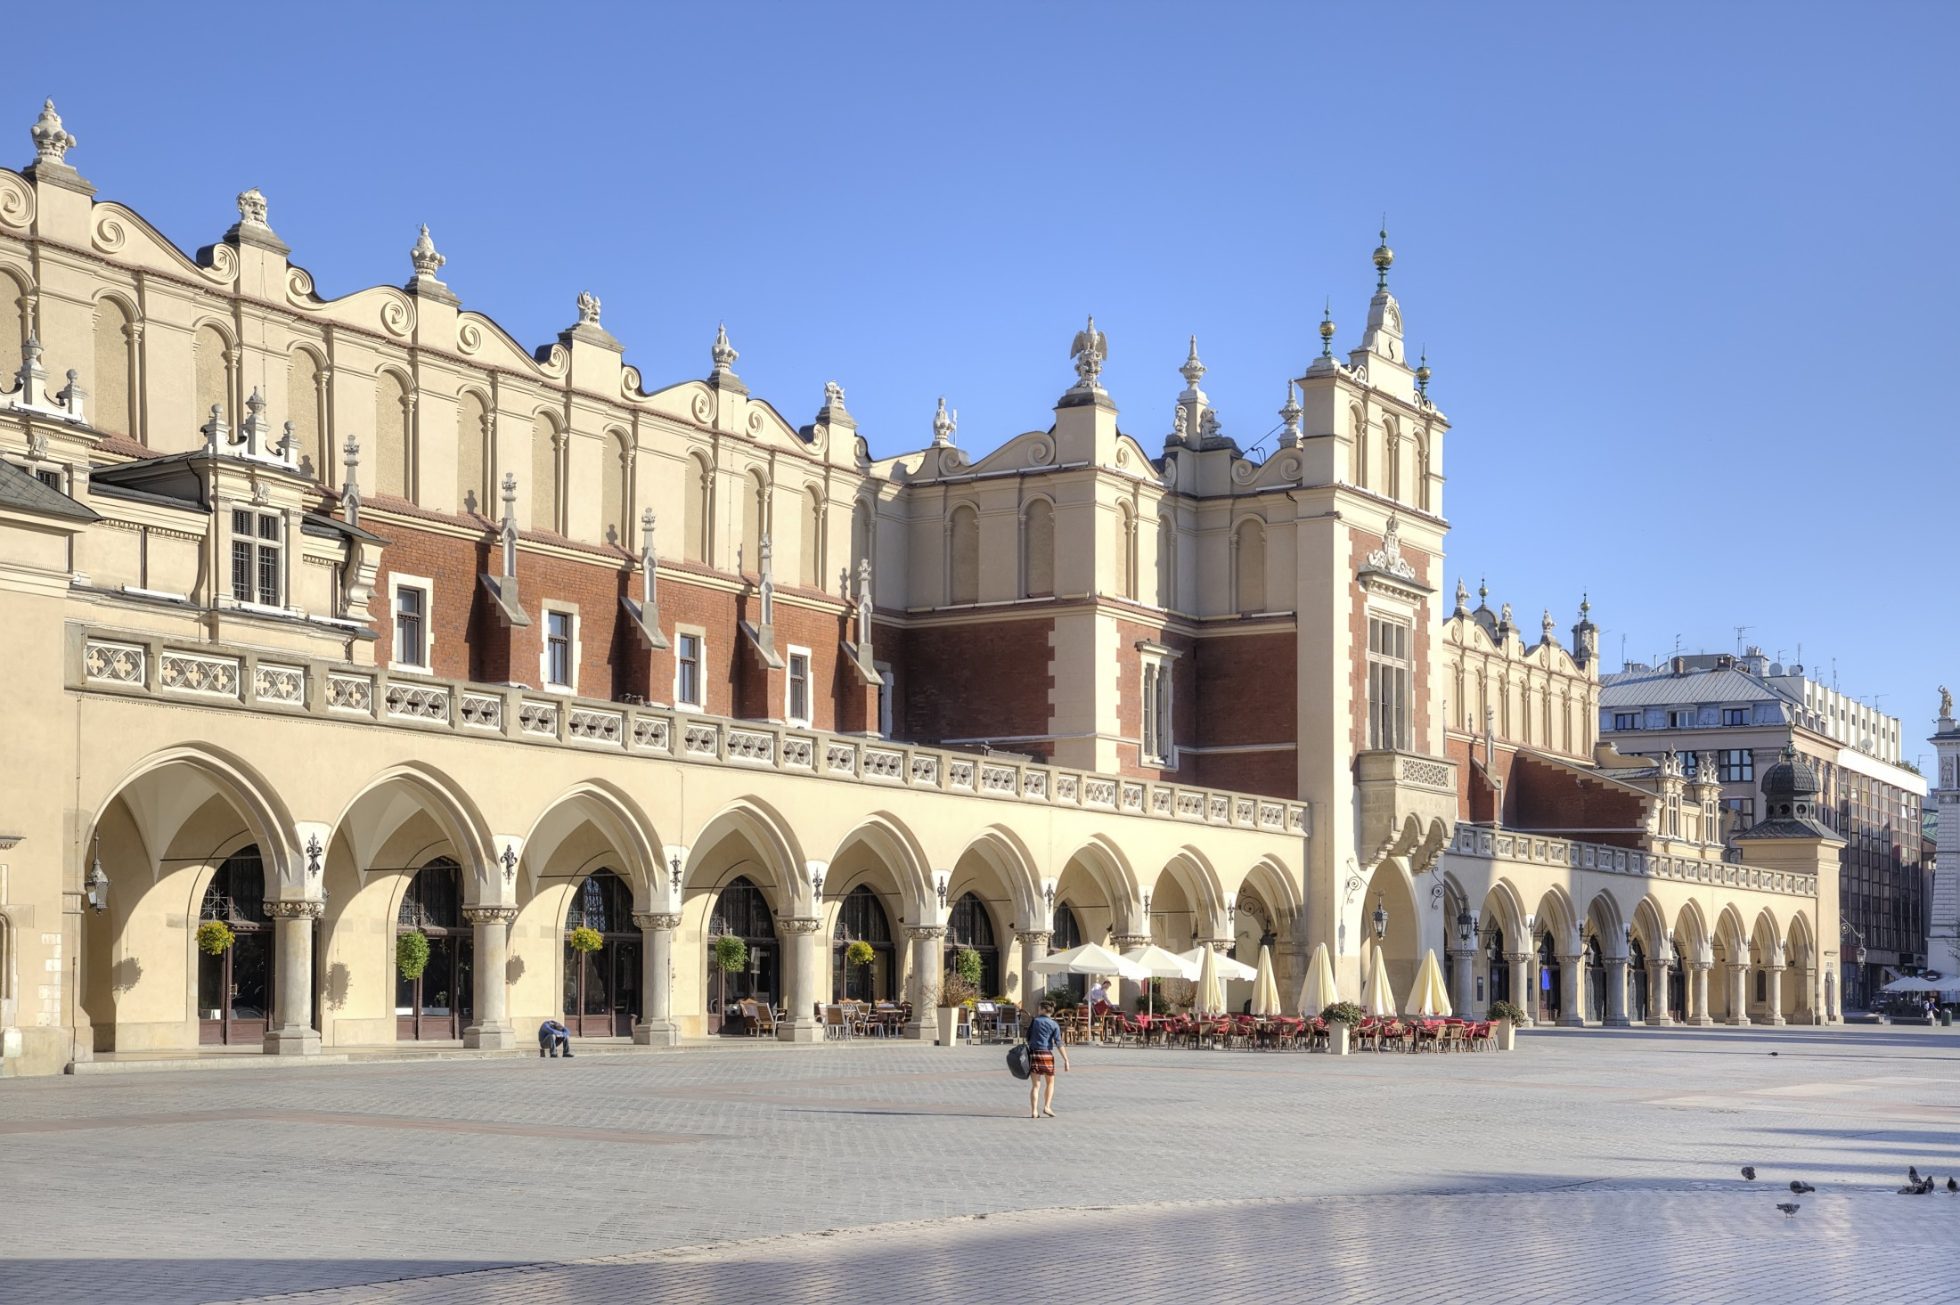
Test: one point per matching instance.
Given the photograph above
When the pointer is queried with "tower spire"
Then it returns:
(1384, 257)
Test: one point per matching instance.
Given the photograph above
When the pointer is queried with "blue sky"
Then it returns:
(1685, 272)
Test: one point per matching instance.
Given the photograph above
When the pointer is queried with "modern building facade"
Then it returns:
(365, 654)
(1738, 713)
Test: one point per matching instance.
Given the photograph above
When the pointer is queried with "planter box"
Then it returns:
(1507, 1036)
(949, 1025)
(1339, 1038)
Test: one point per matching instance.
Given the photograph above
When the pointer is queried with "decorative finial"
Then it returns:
(51, 142)
(1384, 258)
(1585, 607)
(251, 206)
(944, 423)
(723, 353)
(588, 308)
(1946, 703)
(1327, 330)
(1089, 350)
(1290, 417)
(350, 490)
(1462, 596)
(1423, 374)
(1548, 626)
(507, 530)
(427, 261)
(1193, 371)
(833, 395)
(1483, 593)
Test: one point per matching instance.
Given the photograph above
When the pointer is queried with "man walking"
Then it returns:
(1044, 1044)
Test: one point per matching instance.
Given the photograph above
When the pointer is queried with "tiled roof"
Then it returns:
(25, 493)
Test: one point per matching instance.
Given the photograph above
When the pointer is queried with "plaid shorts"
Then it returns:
(1041, 1062)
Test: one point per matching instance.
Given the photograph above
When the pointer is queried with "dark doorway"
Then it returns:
(440, 1003)
(234, 987)
(1498, 968)
(1551, 988)
(862, 919)
(1595, 982)
(1068, 933)
(971, 926)
(602, 988)
(741, 911)
(1636, 982)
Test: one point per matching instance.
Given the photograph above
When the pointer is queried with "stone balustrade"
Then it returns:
(1502, 845)
(143, 666)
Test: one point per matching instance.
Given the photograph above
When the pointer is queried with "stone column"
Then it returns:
(1657, 975)
(1698, 993)
(656, 1027)
(1738, 992)
(1775, 998)
(1465, 982)
(1616, 992)
(928, 963)
(492, 1029)
(1034, 946)
(1573, 970)
(1129, 990)
(1521, 994)
(803, 972)
(291, 1032)
(1808, 1009)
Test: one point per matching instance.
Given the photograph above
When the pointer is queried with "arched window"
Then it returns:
(1249, 565)
(1038, 549)
(1392, 459)
(1637, 977)
(615, 509)
(1126, 551)
(741, 911)
(234, 987)
(1358, 431)
(547, 457)
(862, 918)
(971, 926)
(602, 988)
(1422, 473)
(213, 370)
(112, 404)
(810, 561)
(755, 521)
(1166, 561)
(440, 1002)
(306, 393)
(474, 492)
(14, 329)
(390, 455)
(1497, 967)
(1068, 933)
(963, 555)
(699, 493)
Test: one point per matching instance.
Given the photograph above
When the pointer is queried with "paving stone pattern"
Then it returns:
(1590, 1166)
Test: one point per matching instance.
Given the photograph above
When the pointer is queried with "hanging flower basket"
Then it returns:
(587, 940)
(859, 954)
(967, 964)
(214, 937)
(412, 954)
(731, 954)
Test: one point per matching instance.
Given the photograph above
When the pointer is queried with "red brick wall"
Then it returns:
(1241, 689)
(1544, 797)
(972, 680)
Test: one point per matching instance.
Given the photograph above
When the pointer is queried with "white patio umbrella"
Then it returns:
(1211, 994)
(1228, 968)
(1089, 958)
(1265, 988)
(1429, 996)
(1319, 991)
(1379, 1000)
(1158, 963)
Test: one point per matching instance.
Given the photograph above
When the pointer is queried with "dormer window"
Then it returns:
(256, 573)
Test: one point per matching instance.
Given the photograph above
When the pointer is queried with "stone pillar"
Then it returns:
(1129, 990)
(1657, 975)
(291, 1032)
(1616, 992)
(1464, 982)
(1522, 995)
(1698, 993)
(1808, 1010)
(656, 1027)
(804, 974)
(928, 963)
(492, 1030)
(1738, 992)
(1573, 970)
(1775, 998)
(1034, 946)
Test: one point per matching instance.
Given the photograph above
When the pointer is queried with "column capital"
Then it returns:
(301, 910)
(789, 925)
(657, 919)
(1041, 936)
(1515, 957)
(489, 914)
(1125, 941)
(1219, 945)
(925, 932)
(1701, 967)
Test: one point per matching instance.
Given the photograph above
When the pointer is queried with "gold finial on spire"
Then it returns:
(1423, 374)
(1384, 257)
(1327, 330)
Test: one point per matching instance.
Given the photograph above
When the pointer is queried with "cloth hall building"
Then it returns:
(335, 620)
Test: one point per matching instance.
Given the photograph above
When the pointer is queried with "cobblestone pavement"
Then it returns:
(1593, 1166)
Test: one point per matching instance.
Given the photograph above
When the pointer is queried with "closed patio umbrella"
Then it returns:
(1429, 996)
(1211, 995)
(1265, 988)
(1319, 991)
(1378, 1001)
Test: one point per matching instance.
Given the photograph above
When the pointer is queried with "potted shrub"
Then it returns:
(214, 937)
(586, 940)
(1508, 1016)
(1341, 1018)
(412, 954)
(967, 964)
(955, 993)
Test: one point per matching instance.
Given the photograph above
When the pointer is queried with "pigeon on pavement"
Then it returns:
(1799, 1188)
(1788, 1207)
(1953, 1184)
(1912, 1173)
(1749, 1172)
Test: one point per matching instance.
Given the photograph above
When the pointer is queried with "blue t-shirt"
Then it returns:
(1044, 1034)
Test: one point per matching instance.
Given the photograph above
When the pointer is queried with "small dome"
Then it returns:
(1790, 788)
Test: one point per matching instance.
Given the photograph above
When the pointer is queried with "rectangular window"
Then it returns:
(799, 687)
(1734, 808)
(1737, 765)
(687, 672)
(558, 649)
(51, 477)
(1681, 720)
(255, 562)
(1389, 680)
(1735, 715)
(1626, 720)
(411, 626)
